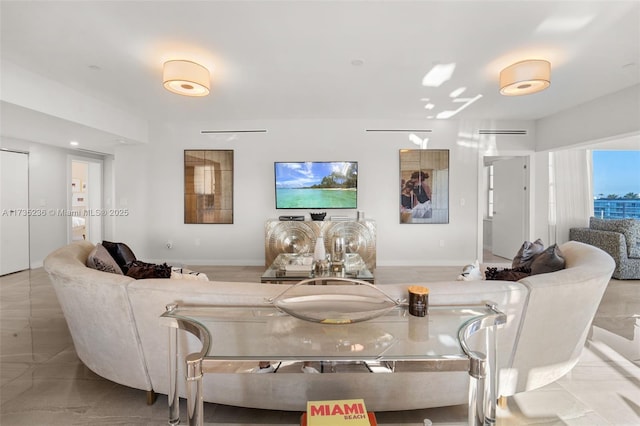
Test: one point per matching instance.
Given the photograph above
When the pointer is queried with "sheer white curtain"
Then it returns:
(570, 192)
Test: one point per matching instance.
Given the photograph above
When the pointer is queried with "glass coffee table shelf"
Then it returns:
(260, 332)
(291, 267)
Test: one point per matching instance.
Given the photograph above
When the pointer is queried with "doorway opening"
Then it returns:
(504, 206)
(85, 200)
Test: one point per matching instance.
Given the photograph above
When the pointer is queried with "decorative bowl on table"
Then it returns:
(318, 216)
(337, 308)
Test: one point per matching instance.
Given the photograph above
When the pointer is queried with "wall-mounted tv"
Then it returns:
(316, 185)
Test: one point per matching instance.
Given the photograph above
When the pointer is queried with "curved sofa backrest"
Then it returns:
(97, 310)
(557, 317)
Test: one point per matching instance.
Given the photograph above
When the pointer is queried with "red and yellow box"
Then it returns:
(347, 412)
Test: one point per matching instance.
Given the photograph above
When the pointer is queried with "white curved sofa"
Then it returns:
(114, 323)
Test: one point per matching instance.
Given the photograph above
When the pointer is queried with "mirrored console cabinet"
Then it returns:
(300, 237)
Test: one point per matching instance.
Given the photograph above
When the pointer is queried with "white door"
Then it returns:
(14, 211)
(509, 206)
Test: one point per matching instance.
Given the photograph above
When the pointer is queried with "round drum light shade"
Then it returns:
(525, 77)
(186, 78)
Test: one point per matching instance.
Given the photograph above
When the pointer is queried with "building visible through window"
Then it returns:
(616, 184)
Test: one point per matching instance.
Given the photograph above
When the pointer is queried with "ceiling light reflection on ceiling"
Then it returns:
(186, 78)
(429, 106)
(525, 77)
(417, 140)
(438, 75)
(459, 91)
(449, 113)
(74, 143)
(566, 24)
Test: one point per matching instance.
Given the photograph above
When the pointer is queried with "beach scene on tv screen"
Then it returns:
(317, 185)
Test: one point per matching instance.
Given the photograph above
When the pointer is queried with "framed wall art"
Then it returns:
(424, 186)
(208, 186)
(75, 185)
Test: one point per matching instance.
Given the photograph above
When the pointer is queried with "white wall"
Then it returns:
(148, 181)
(48, 189)
(540, 204)
(150, 178)
(617, 114)
(30, 90)
(611, 117)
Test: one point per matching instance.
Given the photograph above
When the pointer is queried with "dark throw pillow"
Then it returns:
(506, 274)
(121, 253)
(550, 260)
(140, 270)
(100, 259)
(527, 253)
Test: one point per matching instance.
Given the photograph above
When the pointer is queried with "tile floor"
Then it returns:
(44, 383)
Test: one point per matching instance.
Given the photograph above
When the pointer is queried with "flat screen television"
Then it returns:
(316, 185)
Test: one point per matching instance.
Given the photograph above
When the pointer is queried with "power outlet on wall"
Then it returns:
(169, 244)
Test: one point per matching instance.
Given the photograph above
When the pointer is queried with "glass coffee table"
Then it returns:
(390, 336)
(291, 268)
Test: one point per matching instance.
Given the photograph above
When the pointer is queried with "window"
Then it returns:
(616, 184)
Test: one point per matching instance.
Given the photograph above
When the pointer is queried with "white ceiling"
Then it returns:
(299, 59)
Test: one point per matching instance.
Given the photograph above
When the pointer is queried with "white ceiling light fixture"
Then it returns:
(186, 78)
(525, 77)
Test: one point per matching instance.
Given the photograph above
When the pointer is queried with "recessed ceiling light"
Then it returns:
(74, 143)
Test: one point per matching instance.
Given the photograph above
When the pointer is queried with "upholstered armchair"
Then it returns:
(620, 238)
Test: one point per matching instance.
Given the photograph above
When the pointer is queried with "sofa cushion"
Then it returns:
(99, 258)
(527, 253)
(630, 228)
(140, 270)
(506, 274)
(121, 253)
(550, 260)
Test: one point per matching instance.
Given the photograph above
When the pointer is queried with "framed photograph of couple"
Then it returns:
(424, 186)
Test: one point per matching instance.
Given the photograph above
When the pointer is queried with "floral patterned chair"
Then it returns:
(620, 238)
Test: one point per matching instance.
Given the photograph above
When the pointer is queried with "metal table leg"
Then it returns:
(483, 386)
(195, 401)
(174, 402)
